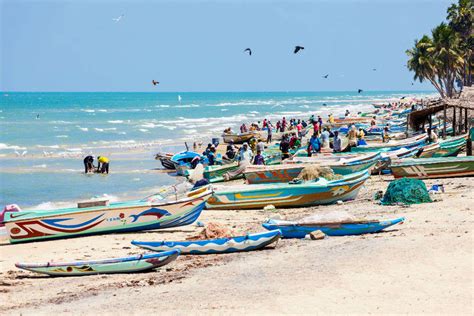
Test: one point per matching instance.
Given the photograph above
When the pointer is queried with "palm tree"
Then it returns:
(422, 63)
(461, 18)
(447, 57)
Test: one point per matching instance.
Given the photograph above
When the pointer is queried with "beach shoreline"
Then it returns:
(422, 266)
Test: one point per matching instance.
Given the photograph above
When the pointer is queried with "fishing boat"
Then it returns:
(215, 246)
(162, 210)
(165, 159)
(132, 264)
(441, 167)
(295, 229)
(414, 141)
(294, 194)
(240, 138)
(216, 173)
(444, 148)
(291, 169)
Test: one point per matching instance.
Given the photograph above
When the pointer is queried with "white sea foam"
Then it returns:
(102, 110)
(62, 136)
(84, 129)
(44, 146)
(224, 110)
(98, 129)
(188, 106)
(162, 106)
(88, 111)
(144, 130)
(149, 125)
(115, 121)
(43, 166)
(14, 147)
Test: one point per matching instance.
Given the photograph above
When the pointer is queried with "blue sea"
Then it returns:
(44, 136)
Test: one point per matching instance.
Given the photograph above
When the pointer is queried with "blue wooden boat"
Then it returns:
(137, 263)
(291, 229)
(215, 246)
(293, 194)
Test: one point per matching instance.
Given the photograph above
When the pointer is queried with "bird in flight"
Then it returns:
(297, 49)
(249, 51)
(374, 69)
(326, 76)
(118, 19)
(360, 90)
(154, 82)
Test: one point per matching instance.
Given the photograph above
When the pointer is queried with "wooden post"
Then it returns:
(444, 127)
(466, 128)
(454, 121)
(460, 122)
(430, 124)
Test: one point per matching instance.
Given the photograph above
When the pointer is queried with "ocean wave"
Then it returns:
(84, 129)
(14, 147)
(88, 111)
(62, 136)
(144, 130)
(115, 121)
(188, 106)
(162, 106)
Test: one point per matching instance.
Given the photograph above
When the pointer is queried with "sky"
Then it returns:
(199, 45)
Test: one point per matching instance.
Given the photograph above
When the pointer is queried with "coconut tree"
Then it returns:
(461, 17)
(447, 57)
(422, 63)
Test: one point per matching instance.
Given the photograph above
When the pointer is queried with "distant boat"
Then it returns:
(132, 264)
(214, 246)
(240, 138)
(295, 229)
(298, 194)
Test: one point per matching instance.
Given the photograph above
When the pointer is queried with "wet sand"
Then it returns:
(422, 266)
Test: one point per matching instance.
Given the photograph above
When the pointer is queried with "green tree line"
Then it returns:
(446, 57)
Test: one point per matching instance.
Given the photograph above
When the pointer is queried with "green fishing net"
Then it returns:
(406, 191)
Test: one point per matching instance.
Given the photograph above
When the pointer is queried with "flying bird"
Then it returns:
(249, 51)
(154, 82)
(412, 83)
(118, 19)
(297, 49)
(360, 90)
(326, 76)
(374, 69)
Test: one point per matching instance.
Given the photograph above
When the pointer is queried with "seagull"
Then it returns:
(118, 19)
(154, 82)
(297, 49)
(360, 90)
(374, 69)
(249, 51)
(326, 76)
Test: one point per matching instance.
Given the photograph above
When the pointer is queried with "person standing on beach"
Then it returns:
(299, 128)
(352, 135)
(258, 159)
(285, 148)
(105, 164)
(260, 146)
(315, 144)
(270, 132)
(337, 147)
(283, 124)
(89, 164)
(245, 154)
(325, 138)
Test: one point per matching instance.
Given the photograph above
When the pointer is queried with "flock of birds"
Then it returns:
(248, 50)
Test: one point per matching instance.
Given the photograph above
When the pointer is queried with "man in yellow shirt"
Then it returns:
(105, 164)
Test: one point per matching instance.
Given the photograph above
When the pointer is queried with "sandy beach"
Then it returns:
(422, 266)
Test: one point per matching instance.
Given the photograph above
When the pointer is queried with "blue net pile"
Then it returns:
(406, 191)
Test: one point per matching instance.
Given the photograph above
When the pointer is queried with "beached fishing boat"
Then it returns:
(304, 193)
(241, 137)
(450, 147)
(216, 173)
(392, 144)
(154, 212)
(291, 169)
(165, 159)
(442, 167)
(132, 264)
(215, 246)
(295, 229)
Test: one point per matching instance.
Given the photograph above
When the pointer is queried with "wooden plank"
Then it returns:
(444, 127)
(92, 203)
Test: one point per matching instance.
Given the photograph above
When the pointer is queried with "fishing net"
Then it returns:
(406, 191)
(313, 172)
(211, 231)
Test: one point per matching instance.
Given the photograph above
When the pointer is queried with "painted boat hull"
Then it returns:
(215, 246)
(216, 173)
(240, 138)
(287, 172)
(295, 230)
(133, 264)
(282, 195)
(426, 168)
(395, 145)
(119, 217)
(446, 148)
